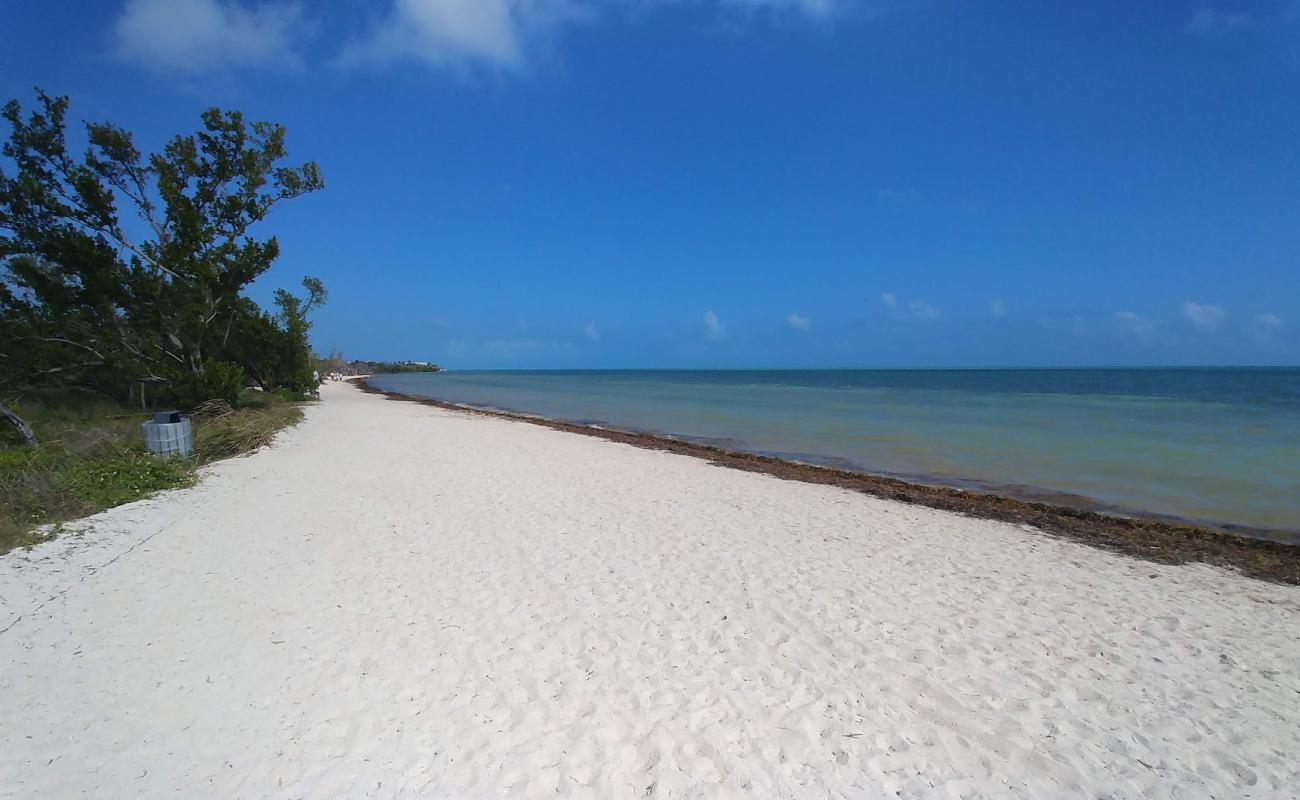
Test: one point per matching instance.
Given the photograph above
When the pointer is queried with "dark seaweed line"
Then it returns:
(1155, 540)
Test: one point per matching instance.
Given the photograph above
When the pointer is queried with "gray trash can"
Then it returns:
(168, 434)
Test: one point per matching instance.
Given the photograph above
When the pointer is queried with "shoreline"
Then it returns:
(400, 600)
(1142, 536)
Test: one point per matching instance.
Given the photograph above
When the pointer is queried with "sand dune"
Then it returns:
(402, 601)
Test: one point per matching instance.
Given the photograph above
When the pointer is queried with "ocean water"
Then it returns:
(1220, 446)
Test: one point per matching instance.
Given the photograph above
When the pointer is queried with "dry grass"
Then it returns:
(221, 431)
(91, 457)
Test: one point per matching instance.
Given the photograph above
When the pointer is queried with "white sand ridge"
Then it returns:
(401, 601)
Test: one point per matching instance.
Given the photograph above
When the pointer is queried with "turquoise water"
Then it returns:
(1213, 445)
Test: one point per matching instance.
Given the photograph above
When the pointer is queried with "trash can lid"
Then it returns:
(166, 417)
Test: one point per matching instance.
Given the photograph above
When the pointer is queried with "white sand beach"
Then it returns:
(402, 601)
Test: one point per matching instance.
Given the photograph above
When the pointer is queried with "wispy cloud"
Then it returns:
(819, 9)
(497, 34)
(591, 331)
(192, 37)
(509, 35)
(1134, 324)
(806, 9)
(1203, 317)
(916, 309)
(713, 328)
(1268, 322)
(798, 322)
(1206, 21)
(919, 309)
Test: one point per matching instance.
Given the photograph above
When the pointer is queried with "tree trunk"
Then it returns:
(24, 430)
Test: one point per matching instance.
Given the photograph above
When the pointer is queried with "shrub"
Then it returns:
(221, 380)
(91, 457)
(131, 476)
(221, 431)
(287, 395)
(52, 482)
(255, 398)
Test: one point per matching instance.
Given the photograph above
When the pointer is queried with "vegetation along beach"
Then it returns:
(715, 399)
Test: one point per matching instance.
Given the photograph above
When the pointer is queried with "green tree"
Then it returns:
(292, 314)
(273, 348)
(95, 295)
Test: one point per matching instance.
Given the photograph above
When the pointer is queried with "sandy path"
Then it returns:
(400, 601)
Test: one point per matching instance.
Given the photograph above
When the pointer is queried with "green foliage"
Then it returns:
(84, 301)
(298, 361)
(221, 431)
(408, 366)
(91, 457)
(133, 475)
(83, 466)
(219, 380)
(385, 367)
(273, 348)
(286, 395)
(122, 275)
(60, 417)
(253, 398)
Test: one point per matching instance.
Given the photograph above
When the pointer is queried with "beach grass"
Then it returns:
(91, 456)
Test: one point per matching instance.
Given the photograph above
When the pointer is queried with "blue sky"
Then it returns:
(745, 183)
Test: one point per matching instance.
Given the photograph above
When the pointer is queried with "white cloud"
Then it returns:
(1203, 317)
(817, 9)
(197, 36)
(1207, 20)
(997, 308)
(1135, 324)
(591, 331)
(798, 322)
(1268, 321)
(445, 33)
(507, 35)
(917, 309)
(712, 327)
(920, 309)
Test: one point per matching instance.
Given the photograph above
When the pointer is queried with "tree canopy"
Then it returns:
(120, 270)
